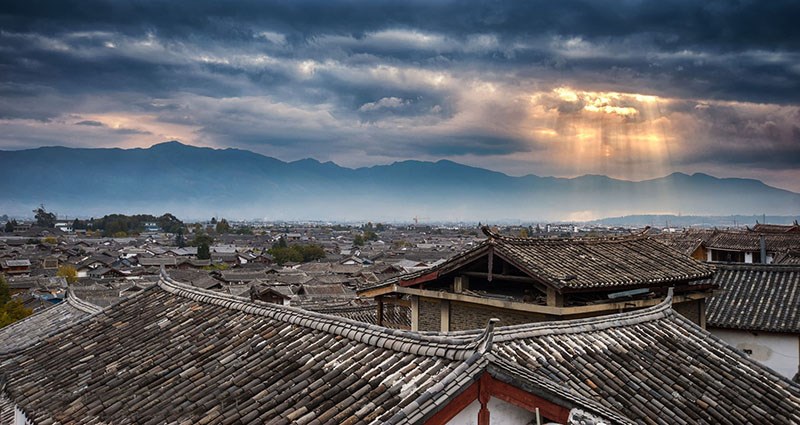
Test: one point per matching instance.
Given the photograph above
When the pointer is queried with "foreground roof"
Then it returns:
(178, 354)
(757, 298)
(32, 329)
(174, 353)
(653, 364)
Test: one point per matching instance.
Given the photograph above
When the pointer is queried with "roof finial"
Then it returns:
(485, 340)
(489, 232)
(670, 293)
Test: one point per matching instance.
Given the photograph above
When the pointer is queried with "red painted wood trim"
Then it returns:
(487, 387)
(457, 405)
(526, 400)
(424, 278)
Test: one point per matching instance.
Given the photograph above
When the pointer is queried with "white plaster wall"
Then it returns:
(748, 257)
(779, 352)
(20, 418)
(500, 413)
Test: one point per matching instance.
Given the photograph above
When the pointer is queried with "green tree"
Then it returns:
(283, 255)
(281, 243)
(180, 241)
(44, 218)
(68, 272)
(203, 251)
(380, 227)
(10, 226)
(202, 239)
(369, 235)
(169, 223)
(5, 291)
(244, 230)
(310, 252)
(358, 240)
(223, 227)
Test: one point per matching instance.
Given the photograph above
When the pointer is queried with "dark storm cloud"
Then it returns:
(396, 79)
(683, 46)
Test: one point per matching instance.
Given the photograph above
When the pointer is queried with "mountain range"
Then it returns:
(199, 182)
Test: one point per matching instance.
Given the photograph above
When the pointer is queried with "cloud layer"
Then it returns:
(633, 90)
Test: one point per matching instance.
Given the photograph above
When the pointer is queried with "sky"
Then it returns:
(629, 89)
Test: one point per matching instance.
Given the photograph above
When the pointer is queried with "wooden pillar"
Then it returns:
(444, 308)
(460, 283)
(491, 263)
(379, 299)
(414, 313)
(554, 299)
(701, 314)
(483, 398)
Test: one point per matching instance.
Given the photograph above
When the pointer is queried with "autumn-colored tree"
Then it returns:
(11, 310)
(68, 272)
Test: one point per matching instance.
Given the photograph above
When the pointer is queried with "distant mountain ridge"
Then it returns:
(198, 182)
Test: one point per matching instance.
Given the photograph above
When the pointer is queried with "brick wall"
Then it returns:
(689, 310)
(430, 315)
(465, 316)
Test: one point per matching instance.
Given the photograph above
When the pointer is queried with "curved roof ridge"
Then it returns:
(456, 347)
(80, 304)
(657, 312)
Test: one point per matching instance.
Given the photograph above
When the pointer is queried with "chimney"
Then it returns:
(763, 244)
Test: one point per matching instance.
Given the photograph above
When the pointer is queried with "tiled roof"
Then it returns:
(242, 276)
(573, 264)
(367, 313)
(32, 329)
(777, 228)
(686, 242)
(756, 297)
(788, 258)
(157, 261)
(652, 364)
(178, 354)
(6, 410)
(751, 241)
